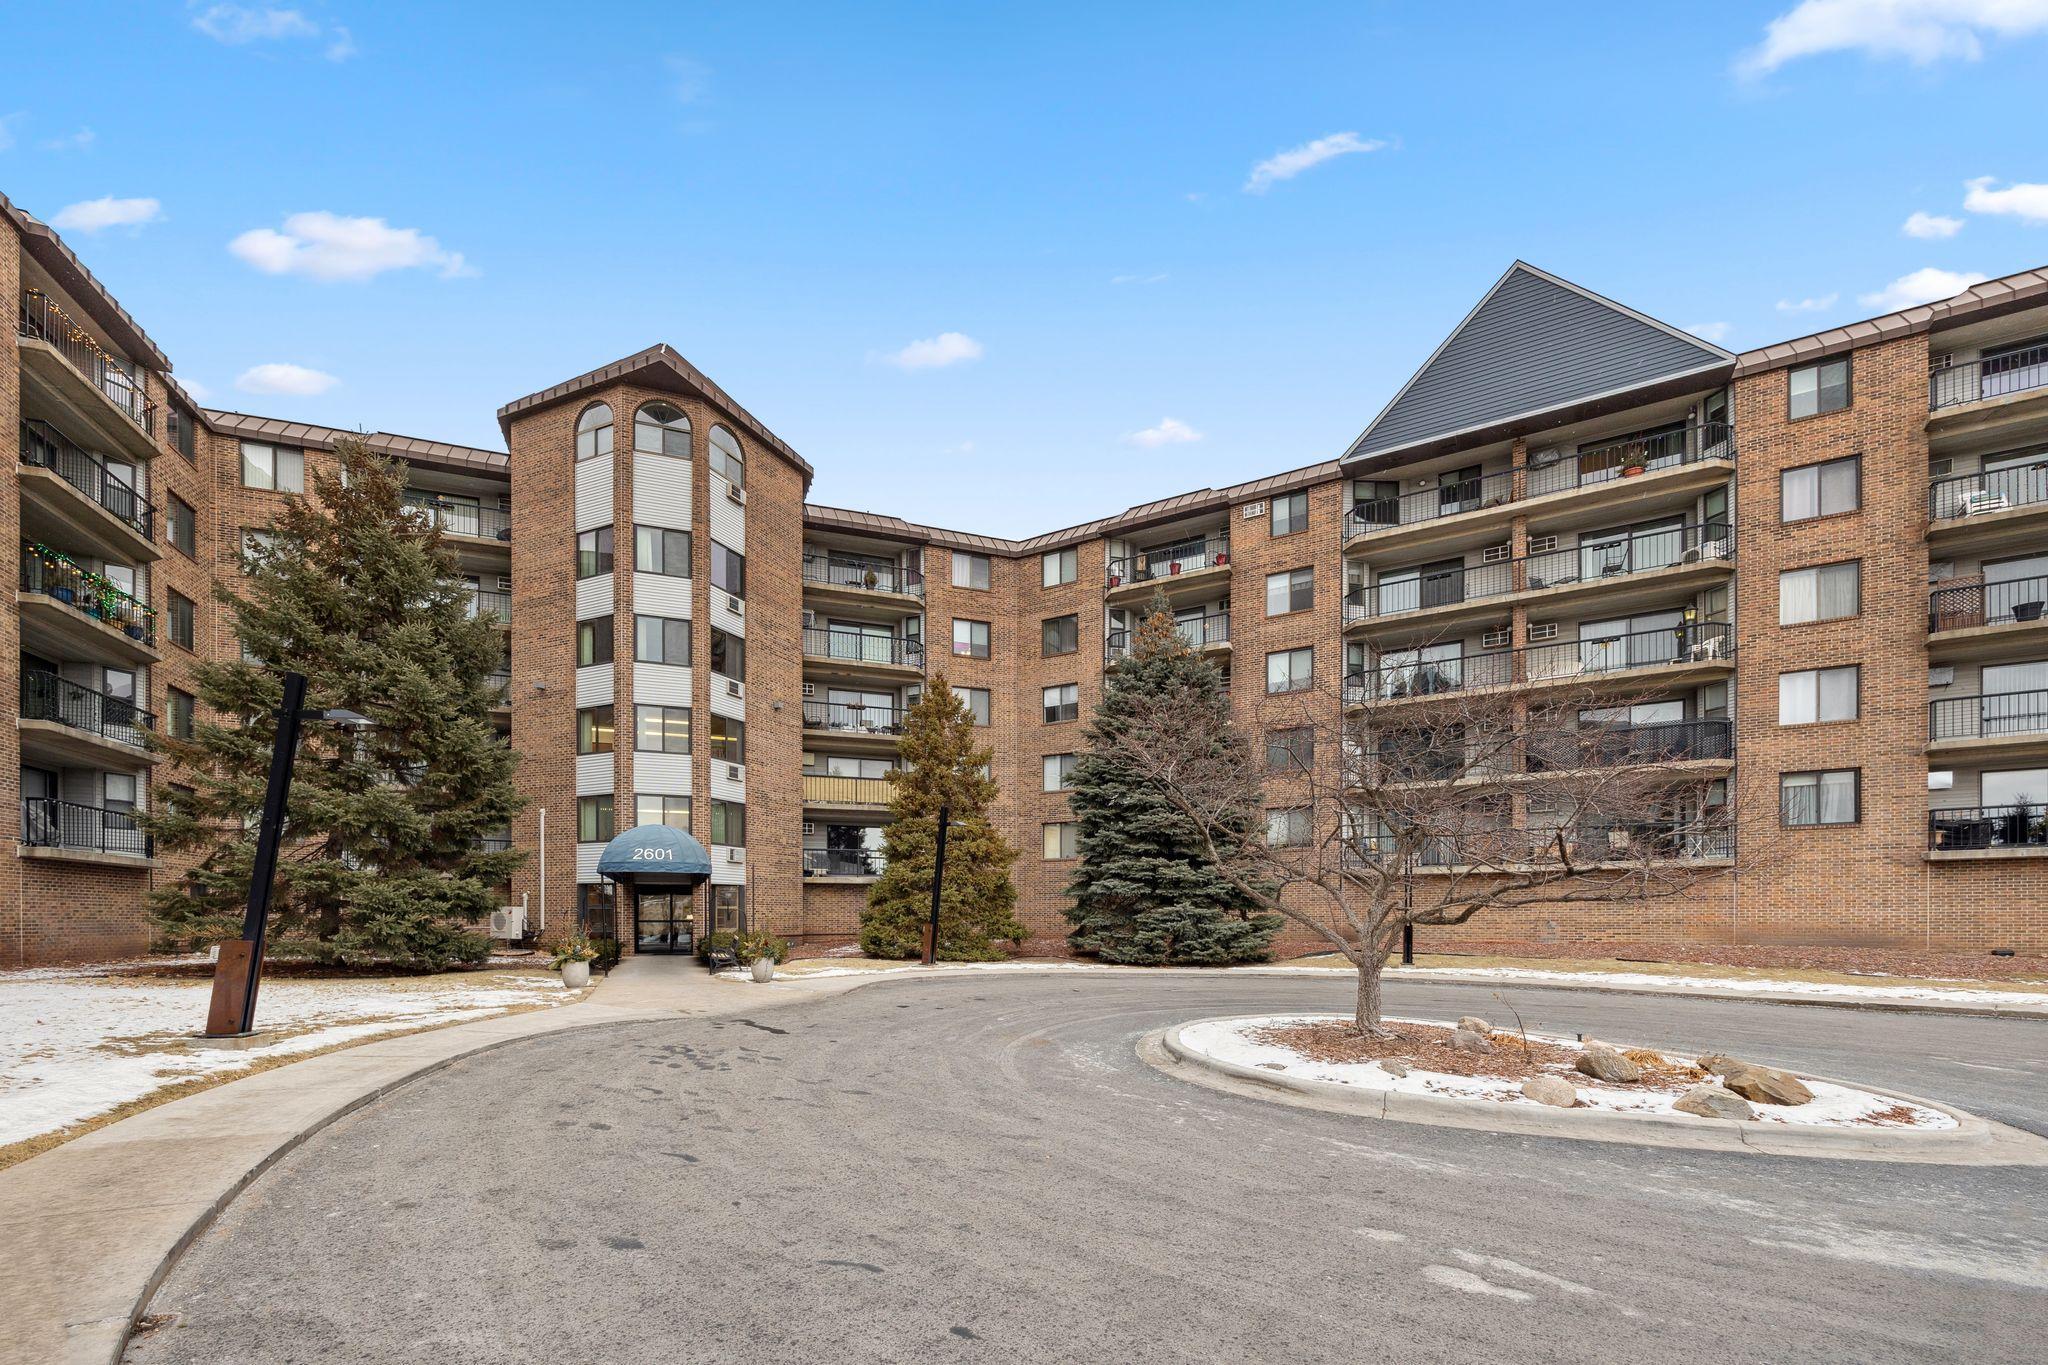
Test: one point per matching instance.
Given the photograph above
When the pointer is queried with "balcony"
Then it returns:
(2009, 723)
(490, 606)
(76, 497)
(1591, 844)
(848, 793)
(860, 651)
(84, 610)
(1193, 565)
(843, 862)
(61, 716)
(1676, 741)
(500, 684)
(1198, 633)
(53, 827)
(1987, 380)
(1988, 831)
(1978, 619)
(457, 517)
(853, 718)
(62, 364)
(860, 576)
(1705, 647)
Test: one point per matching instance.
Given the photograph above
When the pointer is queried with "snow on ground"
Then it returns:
(1229, 1040)
(76, 1042)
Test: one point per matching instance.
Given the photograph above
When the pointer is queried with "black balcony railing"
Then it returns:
(1968, 495)
(1590, 561)
(843, 862)
(1589, 843)
(116, 378)
(1987, 604)
(1993, 716)
(859, 647)
(496, 606)
(1992, 377)
(456, 517)
(45, 571)
(501, 688)
(856, 718)
(855, 573)
(1979, 827)
(1398, 676)
(1169, 561)
(1593, 464)
(1195, 632)
(45, 448)
(1674, 741)
(46, 696)
(47, 822)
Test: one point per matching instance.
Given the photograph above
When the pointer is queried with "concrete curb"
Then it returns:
(1974, 1142)
(1422, 976)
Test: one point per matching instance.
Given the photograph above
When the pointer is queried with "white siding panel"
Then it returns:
(661, 491)
(593, 774)
(586, 864)
(661, 685)
(724, 703)
(595, 596)
(594, 496)
(657, 594)
(594, 685)
(724, 787)
(662, 774)
(728, 518)
(724, 617)
(725, 871)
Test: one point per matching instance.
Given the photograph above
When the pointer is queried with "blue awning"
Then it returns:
(655, 853)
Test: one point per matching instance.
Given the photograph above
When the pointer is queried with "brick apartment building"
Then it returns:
(1819, 568)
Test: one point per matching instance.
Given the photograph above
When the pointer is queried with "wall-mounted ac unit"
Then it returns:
(1546, 630)
(732, 770)
(1943, 362)
(508, 922)
(1252, 509)
(1941, 675)
(1495, 554)
(735, 855)
(1497, 638)
(1940, 469)
(809, 829)
(737, 494)
(1546, 457)
(810, 690)
(1539, 545)
(734, 605)
(732, 687)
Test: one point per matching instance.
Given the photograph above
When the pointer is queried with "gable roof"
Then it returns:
(1534, 344)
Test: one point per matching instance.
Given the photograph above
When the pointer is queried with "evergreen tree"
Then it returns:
(1146, 891)
(379, 861)
(944, 765)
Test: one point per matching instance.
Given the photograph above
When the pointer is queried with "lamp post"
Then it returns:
(238, 975)
(931, 930)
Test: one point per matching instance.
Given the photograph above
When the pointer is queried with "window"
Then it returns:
(656, 549)
(177, 713)
(594, 641)
(256, 547)
(970, 571)
(181, 525)
(1817, 694)
(282, 468)
(661, 729)
(673, 811)
(1059, 635)
(1290, 514)
(661, 429)
(594, 730)
(1288, 828)
(121, 791)
(975, 699)
(594, 431)
(1059, 772)
(1814, 389)
(1294, 590)
(1059, 566)
(1291, 750)
(181, 613)
(726, 457)
(1060, 840)
(1290, 670)
(594, 819)
(729, 824)
(183, 430)
(1827, 592)
(728, 907)
(728, 655)
(661, 640)
(1821, 490)
(594, 552)
(1828, 798)
(1062, 703)
(970, 638)
(728, 570)
(728, 739)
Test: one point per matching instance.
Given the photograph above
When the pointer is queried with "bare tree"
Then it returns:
(1398, 805)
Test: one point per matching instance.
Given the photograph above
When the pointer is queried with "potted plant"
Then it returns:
(572, 960)
(761, 951)
(868, 579)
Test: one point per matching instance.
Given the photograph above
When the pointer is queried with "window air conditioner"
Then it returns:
(735, 855)
(810, 690)
(736, 494)
(1253, 509)
(1942, 675)
(1546, 457)
(732, 687)
(734, 605)
(809, 829)
(732, 770)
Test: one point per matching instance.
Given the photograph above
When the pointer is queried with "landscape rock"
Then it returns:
(1393, 1068)
(1472, 1023)
(1465, 1040)
(1767, 1085)
(1720, 1064)
(1712, 1102)
(1603, 1063)
(1555, 1091)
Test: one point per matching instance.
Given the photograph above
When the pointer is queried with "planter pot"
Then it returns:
(1631, 471)
(575, 975)
(134, 632)
(763, 969)
(2026, 611)
(64, 595)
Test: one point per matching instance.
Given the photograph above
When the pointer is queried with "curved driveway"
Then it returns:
(980, 1169)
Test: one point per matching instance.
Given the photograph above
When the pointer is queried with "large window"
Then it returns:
(594, 553)
(1061, 839)
(1059, 566)
(1059, 635)
(595, 822)
(594, 730)
(181, 612)
(177, 713)
(594, 431)
(1292, 591)
(661, 729)
(1292, 750)
(728, 570)
(970, 638)
(1820, 490)
(1290, 670)
(1817, 694)
(183, 429)
(1290, 514)
(727, 459)
(657, 549)
(661, 640)
(728, 655)
(282, 468)
(975, 699)
(661, 429)
(1288, 828)
(729, 824)
(1062, 703)
(1059, 771)
(970, 571)
(1814, 389)
(594, 641)
(1823, 798)
(728, 739)
(1826, 592)
(651, 809)
(181, 525)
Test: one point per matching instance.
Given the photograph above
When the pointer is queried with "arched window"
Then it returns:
(661, 429)
(594, 431)
(726, 458)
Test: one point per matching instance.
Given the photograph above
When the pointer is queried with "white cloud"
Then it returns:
(2028, 203)
(79, 141)
(195, 390)
(1137, 279)
(241, 25)
(296, 380)
(947, 348)
(1922, 286)
(1292, 162)
(327, 246)
(1716, 332)
(1171, 431)
(1818, 304)
(96, 215)
(689, 78)
(341, 45)
(1922, 32)
(1931, 227)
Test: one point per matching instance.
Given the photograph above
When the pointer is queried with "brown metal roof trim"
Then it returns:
(1977, 303)
(663, 362)
(411, 449)
(42, 242)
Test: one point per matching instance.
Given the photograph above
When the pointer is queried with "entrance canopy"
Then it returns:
(655, 855)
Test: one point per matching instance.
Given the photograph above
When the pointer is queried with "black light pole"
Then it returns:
(931, 933)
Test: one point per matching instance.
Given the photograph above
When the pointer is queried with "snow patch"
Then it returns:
(1465, 1282)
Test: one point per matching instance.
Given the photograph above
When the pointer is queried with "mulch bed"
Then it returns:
(1427, 1047)
(1881, 961)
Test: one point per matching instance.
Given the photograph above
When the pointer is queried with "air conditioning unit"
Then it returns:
(1496, 554)
(734, 605)
(1940, 469)
(736, 494)
(732, 687)
(1250, 510)
(1941, 675)
(1546, 457)
(735, 855)
(809, 829)
(1547, 630)
(734, 771)
(1497, 638)
(1539, 545)
(810, 690)
(508, 922)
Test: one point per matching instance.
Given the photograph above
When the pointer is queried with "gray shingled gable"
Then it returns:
(1534, 343)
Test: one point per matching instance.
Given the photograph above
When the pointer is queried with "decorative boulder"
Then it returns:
(1472, 1023)
(1712, 1102)
(1394, 1068)
(1465, 1040)
(1555, 1091)
(1767, 1085)
(1720, 1064)
(1603, 1063)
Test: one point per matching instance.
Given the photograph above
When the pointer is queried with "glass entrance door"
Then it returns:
(665, 922)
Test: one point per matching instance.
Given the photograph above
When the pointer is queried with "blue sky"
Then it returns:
(1056, 208)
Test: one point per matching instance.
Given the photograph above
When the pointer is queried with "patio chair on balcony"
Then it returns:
(1981, 501)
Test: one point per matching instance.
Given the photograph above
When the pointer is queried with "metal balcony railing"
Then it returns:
(1675, 741)
(501, 688)
(1168, 561)
(1993, 716)
(1397, 677)
(1586, 562)
(853, 573)
(45, 571)
(1969, 495)
(495, 606)
(853, 718)
(1992, 377)
(843, 862)
(1987, 604)
(47, 822)
(46, 696)
(492, 843)
(458, 518)
(116, 378)
(859, 647)
(1663, 840)
(1981, 827)
(1194, 632)
(825, 790)
(44, 447)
